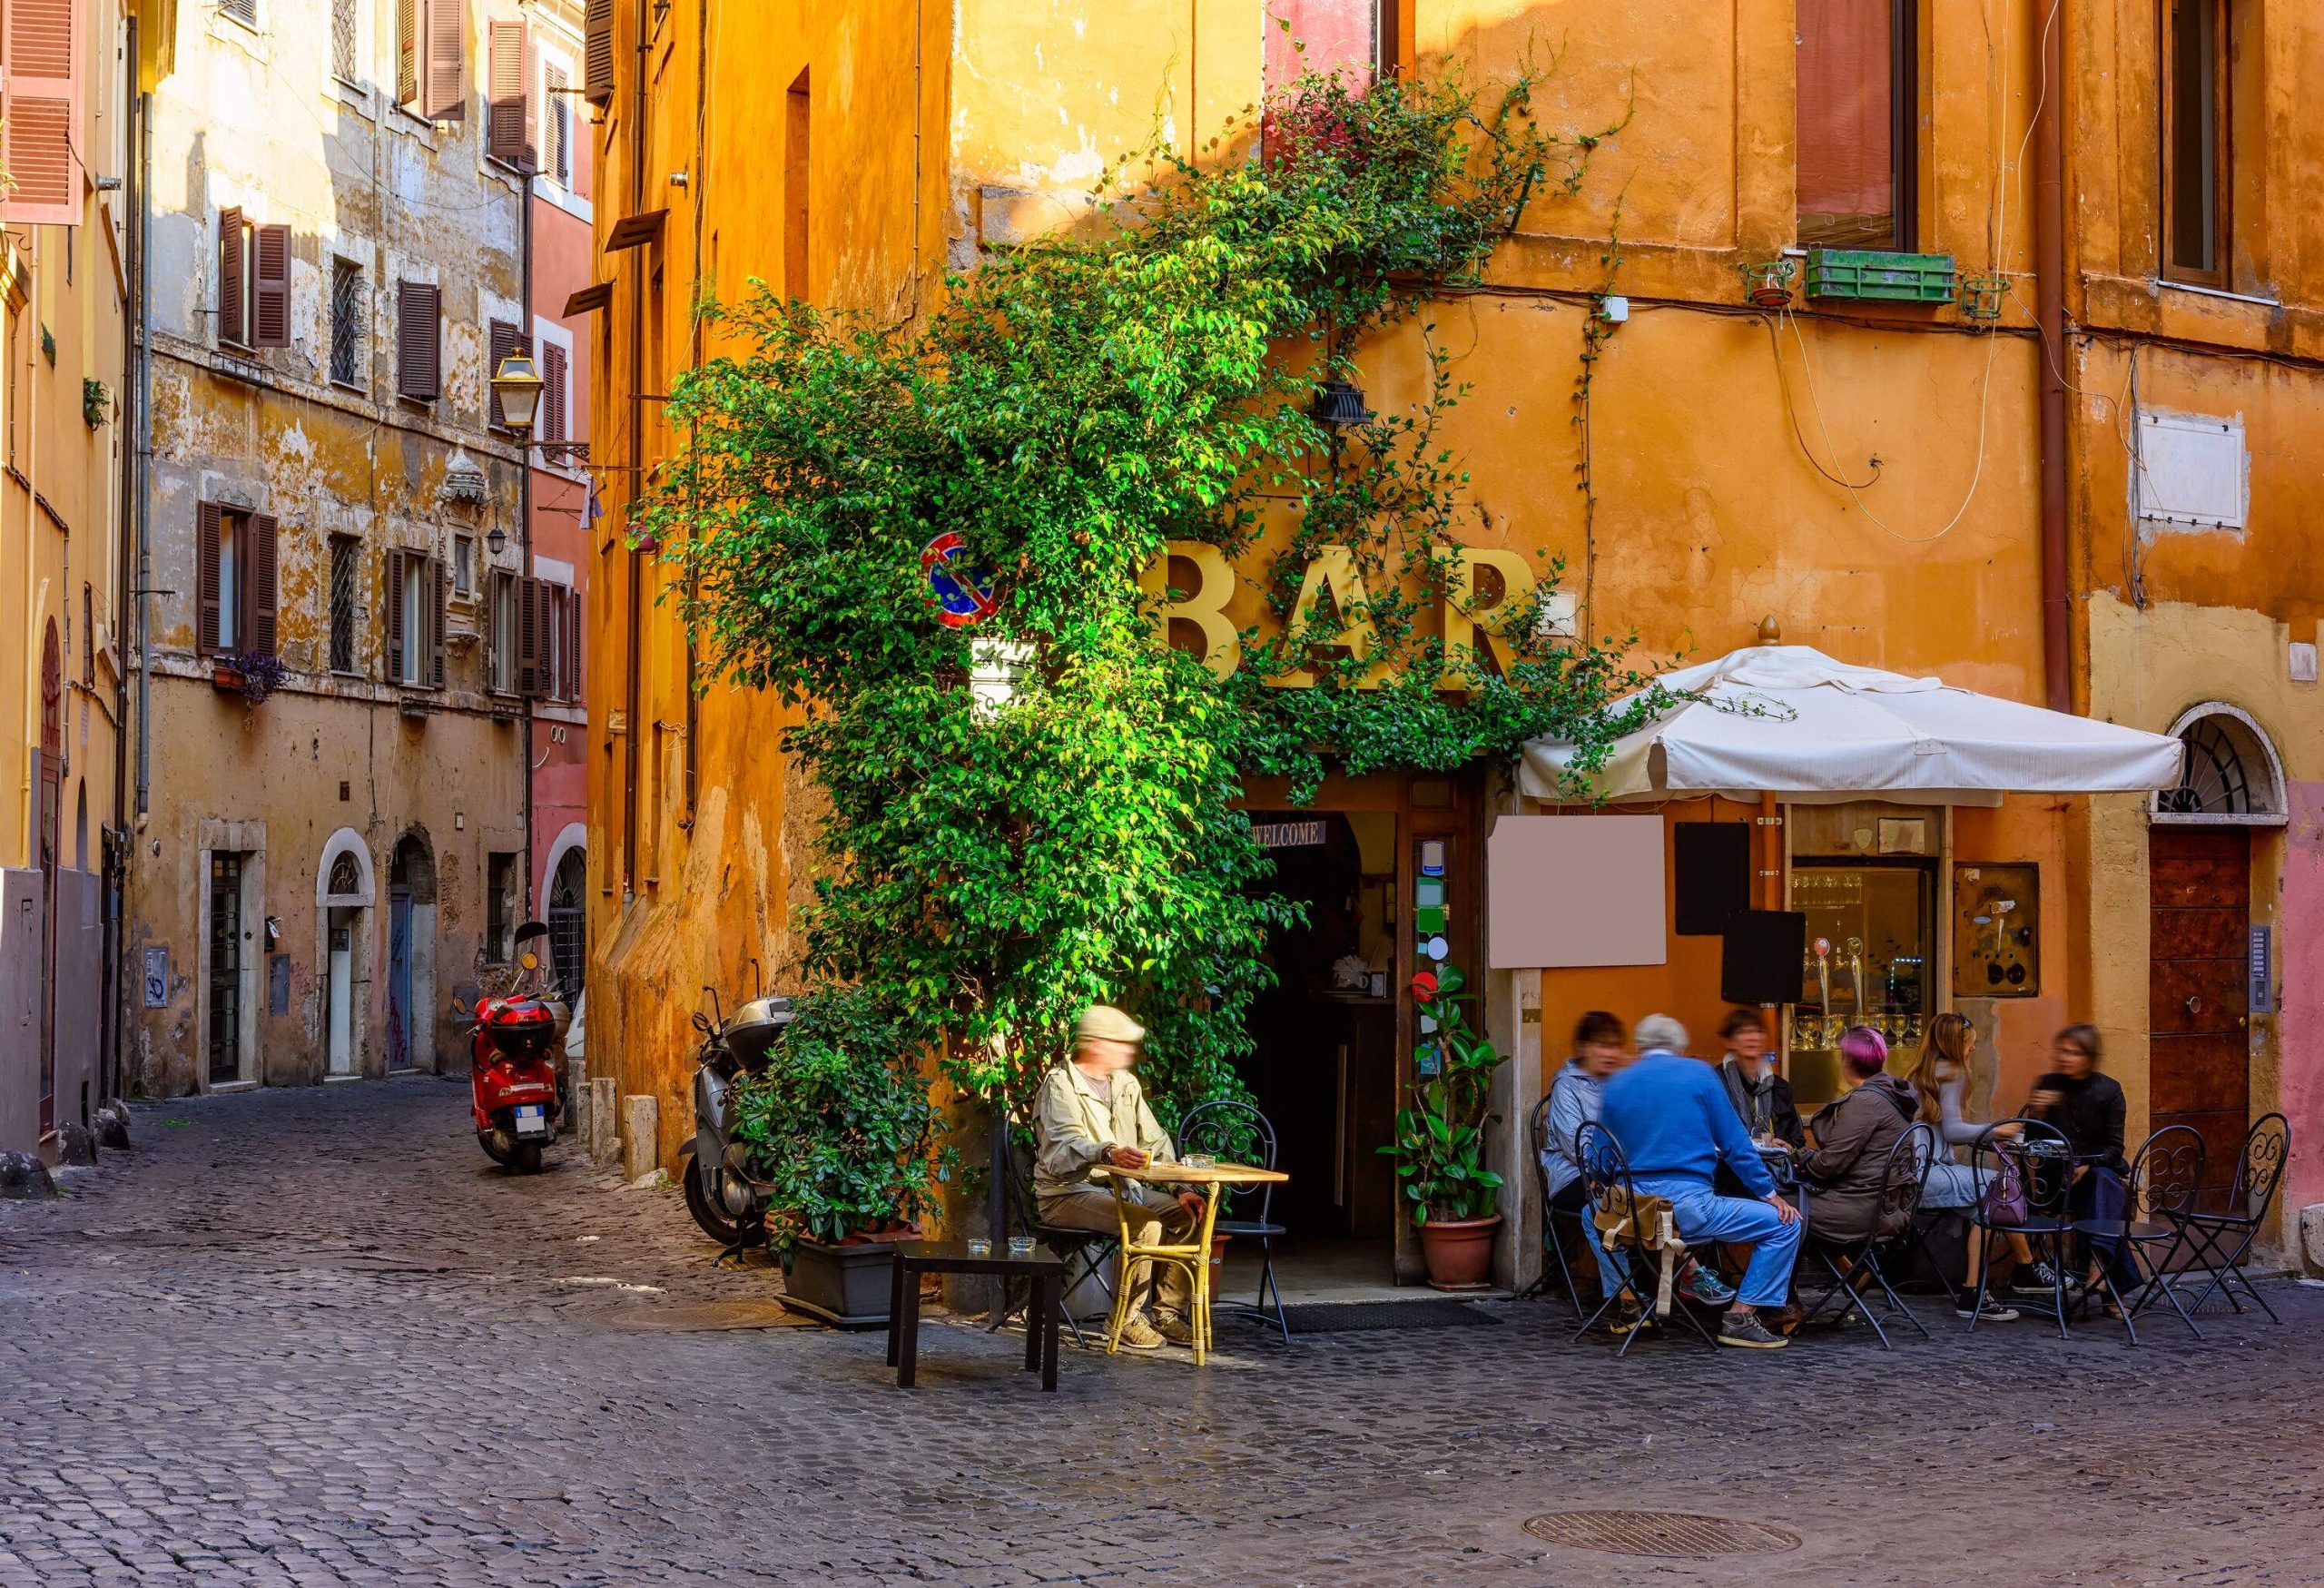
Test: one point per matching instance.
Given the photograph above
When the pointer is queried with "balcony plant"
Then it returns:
(252, 674)
(1439, 1142)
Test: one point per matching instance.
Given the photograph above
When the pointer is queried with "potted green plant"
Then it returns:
(252, 674)
(840, 1126)
(1439, 1139)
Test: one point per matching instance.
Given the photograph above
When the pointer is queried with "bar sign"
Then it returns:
(2263, 970)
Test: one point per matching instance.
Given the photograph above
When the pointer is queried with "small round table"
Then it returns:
(1211, 1179)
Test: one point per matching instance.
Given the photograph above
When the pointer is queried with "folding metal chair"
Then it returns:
(1849, 1262)
(1553, 1249)
(1086, 1253)
(2025, 1181)
(2221, 1241)
(2165, 1178)
(1635, 1234)
(1229, 1128)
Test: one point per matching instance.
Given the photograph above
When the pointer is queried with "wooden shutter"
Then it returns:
(598, 52)
(443, 582)
(205, 555)
(572, 644)
(443, 64)
(528, 636)
(234, 302)
(258, 584)
(394, 617)
(418, 332)
(504, 339)
(550, 425)
(508, 115)
(41, 112)
(406, 51)
(270, 287)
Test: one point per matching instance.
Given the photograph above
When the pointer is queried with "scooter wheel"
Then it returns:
(527, 1159)
(497, 1144)
(716, 1223)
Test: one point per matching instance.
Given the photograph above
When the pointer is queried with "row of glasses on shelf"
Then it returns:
(1823, 1031)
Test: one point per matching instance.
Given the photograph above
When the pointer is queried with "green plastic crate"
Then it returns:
(1862, 272)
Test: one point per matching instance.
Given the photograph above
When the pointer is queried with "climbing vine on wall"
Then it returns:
(991, 866)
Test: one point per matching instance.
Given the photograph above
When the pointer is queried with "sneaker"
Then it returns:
(1698, 1283)
(2036, 1279)
(1173, 1326)
(1621, 1318)
(1138, 1334)
(1992, 1312)
(1745, 1330)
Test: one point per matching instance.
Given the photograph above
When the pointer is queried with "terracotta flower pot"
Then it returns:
(1458, 1251)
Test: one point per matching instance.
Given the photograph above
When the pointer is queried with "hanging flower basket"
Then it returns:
(1767, 283)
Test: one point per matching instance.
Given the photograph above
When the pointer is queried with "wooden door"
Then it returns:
(2198, 985)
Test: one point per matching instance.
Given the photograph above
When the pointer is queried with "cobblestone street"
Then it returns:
(309, 1336)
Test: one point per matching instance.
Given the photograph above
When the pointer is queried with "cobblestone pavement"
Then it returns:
(313, 1338)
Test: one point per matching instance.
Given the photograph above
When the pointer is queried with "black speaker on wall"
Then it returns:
(1711, 864)
(1761, 955)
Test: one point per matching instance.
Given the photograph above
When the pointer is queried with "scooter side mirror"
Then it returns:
(530, 961)
(531, 930)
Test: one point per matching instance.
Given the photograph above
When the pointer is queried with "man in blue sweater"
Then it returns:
(1675, 1126)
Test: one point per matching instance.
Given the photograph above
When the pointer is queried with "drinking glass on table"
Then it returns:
(1021, 1246)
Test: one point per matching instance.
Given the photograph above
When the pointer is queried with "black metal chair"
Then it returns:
(1231, 1128)
(1086, 1253)
(2164, 1180)
(1607, 1173)
(1847, 1263)
(1554, 1260)
(2221, 1241)
(2028, 1170)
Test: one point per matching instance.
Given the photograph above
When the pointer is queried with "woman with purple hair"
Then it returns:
(1845, 1172)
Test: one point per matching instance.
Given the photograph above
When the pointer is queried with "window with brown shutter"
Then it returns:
(443, 65)
(557, 126)
(418, 359)
(233, 298)
(573, 645)
(443, 583)
(503, 337)
(406, 51)
(395, 646)
(528, 636)
(207, 530)
(258, 582)
(43, 83)
(598, 52)
(270, 318)
(552, 422)
(509, 105)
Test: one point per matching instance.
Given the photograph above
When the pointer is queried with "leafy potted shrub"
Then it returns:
(252, 674)
(1440, 1140)
(839, 1126)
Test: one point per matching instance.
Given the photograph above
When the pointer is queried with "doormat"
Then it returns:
(1347, 1317)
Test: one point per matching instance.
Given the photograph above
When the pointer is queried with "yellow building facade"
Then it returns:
(1930, 486)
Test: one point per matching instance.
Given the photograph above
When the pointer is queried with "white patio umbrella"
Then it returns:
(1789, 720)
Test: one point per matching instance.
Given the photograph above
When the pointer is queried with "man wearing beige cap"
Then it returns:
(1092, 1112)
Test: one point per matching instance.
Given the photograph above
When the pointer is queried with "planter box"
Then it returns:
(1897, 278)
(226, 680)
(845, 1286)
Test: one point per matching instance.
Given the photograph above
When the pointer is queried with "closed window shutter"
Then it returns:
(417, 340)
(406, 51)
(598, 52)
(443, 582)
(234, 302)
(572, 644)
(528, 636)
(443, 76)
(554, 377)
(271, 287)
(206, 578)
(504, 339)
(508, 115)
(259, 581)
(394, 617)
(43, 91)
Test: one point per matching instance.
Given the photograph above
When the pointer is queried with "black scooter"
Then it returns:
(724, 1199)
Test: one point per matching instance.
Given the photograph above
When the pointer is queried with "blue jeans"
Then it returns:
(1702, 1215)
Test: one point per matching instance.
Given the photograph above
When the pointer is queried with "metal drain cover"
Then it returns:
(1671, 1533)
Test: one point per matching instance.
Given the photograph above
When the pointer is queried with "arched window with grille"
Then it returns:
(2230, 775)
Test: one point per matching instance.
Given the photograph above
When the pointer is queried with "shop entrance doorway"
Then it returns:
(2197, 988)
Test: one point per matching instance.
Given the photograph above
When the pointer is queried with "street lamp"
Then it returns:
(517, 386)
(496, 539)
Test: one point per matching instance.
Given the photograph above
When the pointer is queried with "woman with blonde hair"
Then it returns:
(1940, 1079)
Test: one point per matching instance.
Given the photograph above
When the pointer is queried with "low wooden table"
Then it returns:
(1210, 1179)
(915, 1258)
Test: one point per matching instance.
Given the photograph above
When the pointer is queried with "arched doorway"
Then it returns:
(2201, 942)
(411, 954)
(343, 896)
(569, 920)
(48, 791)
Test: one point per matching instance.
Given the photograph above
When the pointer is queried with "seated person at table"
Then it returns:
(1941, 1079)
(1760, 1096)
(1676, 1128)
(1092, 1112)
(2088, 1108)
(1846, 1172)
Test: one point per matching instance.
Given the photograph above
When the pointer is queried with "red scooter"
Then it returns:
(512, 1066)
